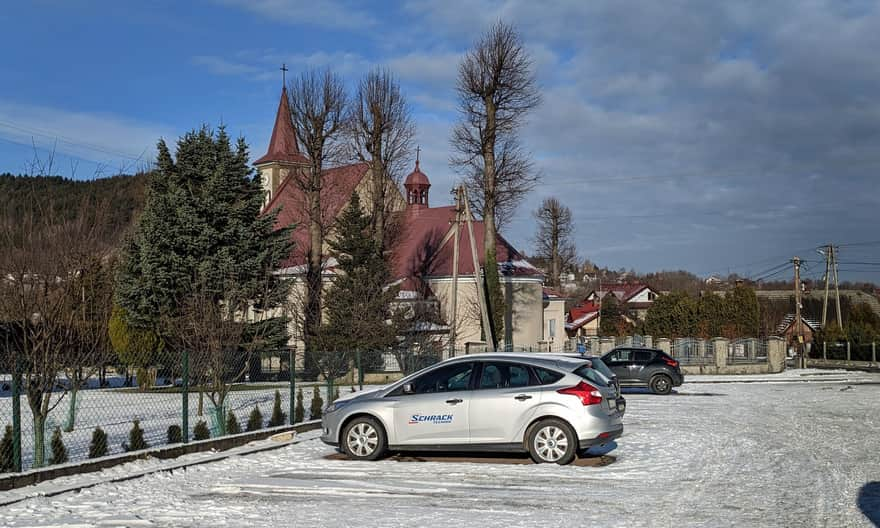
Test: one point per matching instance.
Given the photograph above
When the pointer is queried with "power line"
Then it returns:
(67, 140)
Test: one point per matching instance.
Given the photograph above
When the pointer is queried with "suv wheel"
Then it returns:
(661, 384)
(552, 441)
(364, 439)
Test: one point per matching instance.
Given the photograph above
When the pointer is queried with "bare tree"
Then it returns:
(496, 89)
(319, 110)
(381, 134)
(553, 239)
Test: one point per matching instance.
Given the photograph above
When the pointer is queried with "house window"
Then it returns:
(652, 296)
(551, 327)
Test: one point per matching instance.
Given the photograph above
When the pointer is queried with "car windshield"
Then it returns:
(600, 365)
(592, 375)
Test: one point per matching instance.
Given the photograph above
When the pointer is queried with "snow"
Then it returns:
(788, 450)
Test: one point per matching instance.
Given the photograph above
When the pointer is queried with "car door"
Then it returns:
(619, 361)
(436, 411)
(504, 400)
(640, 360)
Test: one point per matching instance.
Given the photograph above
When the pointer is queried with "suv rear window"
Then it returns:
(643, 356)
(590, 374)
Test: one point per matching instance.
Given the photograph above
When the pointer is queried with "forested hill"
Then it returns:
(124, 196)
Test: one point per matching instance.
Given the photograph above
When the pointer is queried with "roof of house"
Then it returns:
(788, 321)
(623, 292)
(282, 145)
(581, 314)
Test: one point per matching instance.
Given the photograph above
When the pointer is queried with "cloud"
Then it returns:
(325, 13)
(109, 140)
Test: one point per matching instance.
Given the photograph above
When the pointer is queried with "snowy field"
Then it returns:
(779, 453)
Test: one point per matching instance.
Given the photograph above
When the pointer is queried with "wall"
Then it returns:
(554, 309)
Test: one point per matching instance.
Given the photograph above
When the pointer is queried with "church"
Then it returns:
(422, 255)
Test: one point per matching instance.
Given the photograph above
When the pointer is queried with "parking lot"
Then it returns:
(713, 454)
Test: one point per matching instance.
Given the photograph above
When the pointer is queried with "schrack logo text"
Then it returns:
(430, 418)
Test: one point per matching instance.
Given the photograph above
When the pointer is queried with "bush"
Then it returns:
(98, 446)
(175, 434)
(299, 412)
(6, 451)
(59, 452)
(255, 421)
(317, 407)
(336, 394)
(278, 416)
(232, 426)
(136, 440)
(201, 431)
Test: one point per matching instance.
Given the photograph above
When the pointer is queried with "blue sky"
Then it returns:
(706, 136)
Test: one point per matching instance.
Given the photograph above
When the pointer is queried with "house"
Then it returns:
(789, 330)
(554, 332)
(583, 320)
(422, 256)
(637, 297)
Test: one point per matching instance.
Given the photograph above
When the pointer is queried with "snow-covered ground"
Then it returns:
(714, 454)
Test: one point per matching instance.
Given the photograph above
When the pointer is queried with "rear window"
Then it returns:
(600, 365)
(546, 377)
(643, 356)
(590, 374)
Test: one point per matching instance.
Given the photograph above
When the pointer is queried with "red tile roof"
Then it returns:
(282, 146)
(581, 314)
(623, 292)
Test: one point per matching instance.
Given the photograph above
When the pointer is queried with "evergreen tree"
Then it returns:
(743, 312)
(359, 301)
(317, 407)
(175, 434)
(299, 412)
(136, 440)
(713, 316)
(59, 452)
(672, 315)
(278, 416)
(202, 221)
(255, 420)
(6, 451)
(201, 431)
(232, 426)
(613, 322)
(98, 446)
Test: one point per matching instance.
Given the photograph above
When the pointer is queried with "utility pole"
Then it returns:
(478, 282)
(836, 286)
(797, 311)
(827, 254)
(456, 229)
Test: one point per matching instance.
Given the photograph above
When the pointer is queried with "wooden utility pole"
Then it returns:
(831, 273)
(836, 286)
(827, 254)
(455, 242)
(478, 282)
(797, 311)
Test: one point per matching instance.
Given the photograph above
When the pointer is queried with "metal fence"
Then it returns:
(691, 351)
(845, 351)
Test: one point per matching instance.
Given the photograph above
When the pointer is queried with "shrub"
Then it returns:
(232, 426)
(201, 431)
(317, 407)
(136, 440)
(278, 416)
(255, 421)
(98, 446)
(175, 434)
(6, 451)
(336, 394)
(59, 452)
(299, 412)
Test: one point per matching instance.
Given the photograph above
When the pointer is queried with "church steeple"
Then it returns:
(417, 185)
(283, 154)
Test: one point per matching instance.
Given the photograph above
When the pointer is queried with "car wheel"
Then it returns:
(661, 384)
(364, 439)
(552, 441)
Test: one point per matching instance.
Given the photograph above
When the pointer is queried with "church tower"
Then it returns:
(283, 154)
(417, 185)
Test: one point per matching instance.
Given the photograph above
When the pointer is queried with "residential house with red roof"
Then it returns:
(638, 297)
(422, 253)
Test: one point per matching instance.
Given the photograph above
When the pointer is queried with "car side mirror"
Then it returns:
(408, 388)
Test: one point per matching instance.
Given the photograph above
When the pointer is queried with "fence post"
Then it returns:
(185, 400)
(824, 351)
(292, 371)
(16, 416)
(873, 352)
(848, 357)
(360, 370)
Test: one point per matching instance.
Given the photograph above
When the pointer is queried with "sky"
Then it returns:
(716, 137)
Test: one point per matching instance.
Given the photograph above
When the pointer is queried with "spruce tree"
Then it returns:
(6, 451)
(299, 412)
(255, 420)
(59, 452)
(201, 431)
(317, 407)
(175, 434)
(278, 416)
(202, 220)
(136, 440)
(232, 425)
(98, 446)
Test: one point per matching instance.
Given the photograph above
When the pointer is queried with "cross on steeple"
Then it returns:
(283, 69)
(418, 150)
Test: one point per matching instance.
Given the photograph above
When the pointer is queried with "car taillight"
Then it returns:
(588, 394)
(671, 362)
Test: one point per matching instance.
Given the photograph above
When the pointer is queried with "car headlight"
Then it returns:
(335, 406)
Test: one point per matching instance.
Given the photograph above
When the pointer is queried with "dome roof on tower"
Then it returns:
(417, 177)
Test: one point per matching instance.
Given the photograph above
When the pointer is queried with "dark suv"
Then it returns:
(644, 367)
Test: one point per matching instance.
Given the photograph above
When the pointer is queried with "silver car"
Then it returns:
(551, 406)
